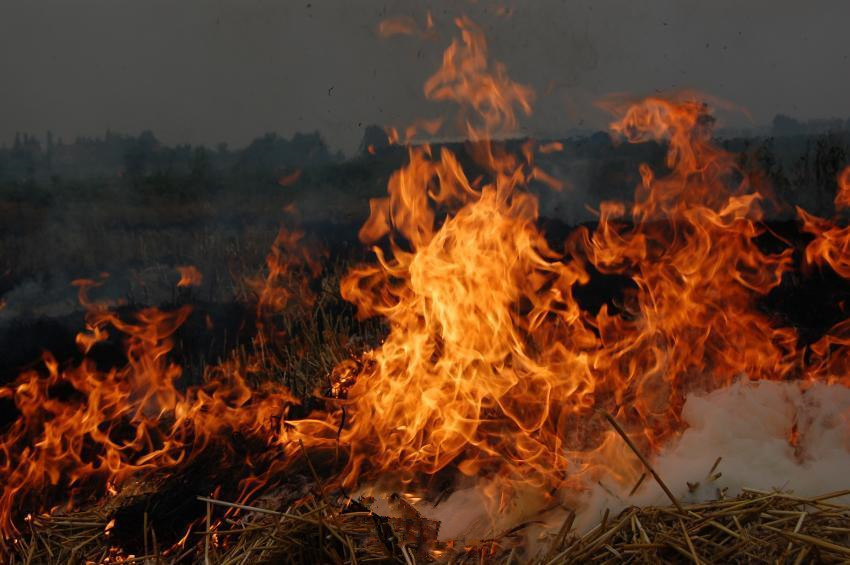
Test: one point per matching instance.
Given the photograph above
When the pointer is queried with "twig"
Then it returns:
(812, 540)
(643, 460)
(637, 484)
(145, 531)
(314, 473)
(207, 538)
(258, 509)
(690, 543)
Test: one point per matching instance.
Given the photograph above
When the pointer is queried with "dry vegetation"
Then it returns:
(754, 527)
(227, 239)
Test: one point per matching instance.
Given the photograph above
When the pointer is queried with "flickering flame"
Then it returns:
(491, 367)
(482, 89)
(831, 245)
(404, 25)
(189, 276)
(290, 179)
(552, 147)
(122, 421)
(490, 364)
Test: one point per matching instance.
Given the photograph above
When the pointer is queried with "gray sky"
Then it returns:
(204, 71)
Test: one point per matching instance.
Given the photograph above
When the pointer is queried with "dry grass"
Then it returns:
(754, 527)
(316, 525)
(326, 527)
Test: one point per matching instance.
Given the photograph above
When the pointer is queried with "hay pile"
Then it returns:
(318, 526)
(754, 527)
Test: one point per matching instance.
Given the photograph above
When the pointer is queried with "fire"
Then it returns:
(116, 423)
(189, 276)
(490, 367)
(831, 248)
(691, 252)
(552, 147)
(491, 364)
(290, 178)
(485, 94)
(405, 25)
(831, 245)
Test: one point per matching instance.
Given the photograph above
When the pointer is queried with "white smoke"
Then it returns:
(750, 425)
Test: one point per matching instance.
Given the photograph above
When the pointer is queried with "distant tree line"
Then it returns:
(798, 162)
(137, 159)
(783, 125)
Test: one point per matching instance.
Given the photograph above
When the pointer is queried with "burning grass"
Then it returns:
(755, 527)
(488, 371)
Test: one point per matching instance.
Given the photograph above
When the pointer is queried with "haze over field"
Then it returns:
(199, 71)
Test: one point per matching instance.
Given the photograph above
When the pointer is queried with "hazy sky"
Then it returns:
(204, 71)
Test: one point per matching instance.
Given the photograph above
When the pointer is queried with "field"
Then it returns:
(131, 234)
(139, 228)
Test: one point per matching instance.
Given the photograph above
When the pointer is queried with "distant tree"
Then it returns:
(25, 156)
(306, 149)
(49, 154)
(830, 158)
(200, 167)
(600, 141)
(785, 125)
(139, 155)
(270, 155)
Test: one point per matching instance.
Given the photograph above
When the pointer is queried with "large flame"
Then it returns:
(490, 361)
(84, 426)
(491, 366)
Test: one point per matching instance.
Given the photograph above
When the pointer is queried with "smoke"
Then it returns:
(778, 435)
(789, 436)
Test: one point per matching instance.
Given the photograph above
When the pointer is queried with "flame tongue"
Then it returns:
(460, 366)
(491, 364)
(489, 357)
(81, 427)
(485, 337)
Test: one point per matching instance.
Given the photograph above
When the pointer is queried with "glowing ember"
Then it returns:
(290, 179)
(189, 276)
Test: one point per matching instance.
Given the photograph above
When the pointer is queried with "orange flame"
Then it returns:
(404, 25)
(400, 25)
(290, 179)
(119, 422)
(842, 197)
(483, 90)
(490, 363)
(552, 147)
(831, 245)
(189, 276)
